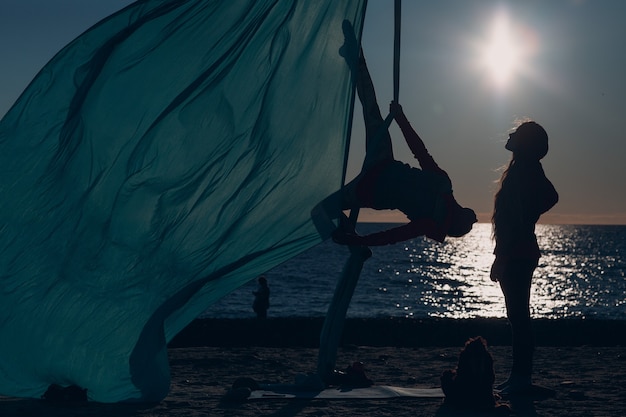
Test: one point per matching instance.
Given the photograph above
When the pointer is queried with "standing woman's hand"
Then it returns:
(497, 270)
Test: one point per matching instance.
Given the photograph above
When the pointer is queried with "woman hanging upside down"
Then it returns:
(423, 195)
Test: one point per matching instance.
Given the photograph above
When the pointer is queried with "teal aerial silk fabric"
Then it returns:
(162, 159)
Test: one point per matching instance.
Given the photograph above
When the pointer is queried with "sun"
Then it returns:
(502, 53)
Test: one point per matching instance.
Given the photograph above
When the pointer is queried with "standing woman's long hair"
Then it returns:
(529, 142)
(504, 203)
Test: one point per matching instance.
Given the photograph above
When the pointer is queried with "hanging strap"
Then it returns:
(396, 57)
(396, 50)
(397, 22)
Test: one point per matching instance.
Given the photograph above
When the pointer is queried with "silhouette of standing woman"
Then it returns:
(525, 193)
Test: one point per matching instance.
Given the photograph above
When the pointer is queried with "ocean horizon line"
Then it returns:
(565, 219)
(488, 222)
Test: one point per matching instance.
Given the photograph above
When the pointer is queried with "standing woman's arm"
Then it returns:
(546, 196)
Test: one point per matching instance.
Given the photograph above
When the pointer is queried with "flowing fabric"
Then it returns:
(162, 159)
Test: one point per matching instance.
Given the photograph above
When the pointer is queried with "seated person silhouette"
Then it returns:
(423, 195)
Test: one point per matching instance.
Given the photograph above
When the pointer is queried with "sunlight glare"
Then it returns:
(501, 55)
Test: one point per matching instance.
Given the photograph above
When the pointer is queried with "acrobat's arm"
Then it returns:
(414, 141)
(421, 227)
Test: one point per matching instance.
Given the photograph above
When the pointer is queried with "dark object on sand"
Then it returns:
(245, 382)
(71, 394)
(241, 389)
(354, 376)
(470, 385)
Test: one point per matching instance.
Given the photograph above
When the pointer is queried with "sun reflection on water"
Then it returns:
(465, 289)
(581, 274)
(574, 277)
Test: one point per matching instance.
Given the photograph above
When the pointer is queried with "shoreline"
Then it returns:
(398, 332)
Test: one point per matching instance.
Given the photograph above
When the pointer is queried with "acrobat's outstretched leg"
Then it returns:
(378, 142)
(378, 146)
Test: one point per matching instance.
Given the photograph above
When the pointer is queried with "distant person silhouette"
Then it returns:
(261, 298)
(525, 193)
(423, 195)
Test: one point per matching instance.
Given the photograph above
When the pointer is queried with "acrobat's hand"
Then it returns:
(343, 237)
(345, 233)
(396, 109)
(340, 237)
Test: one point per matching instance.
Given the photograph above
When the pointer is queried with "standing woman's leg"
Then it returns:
(515, 285)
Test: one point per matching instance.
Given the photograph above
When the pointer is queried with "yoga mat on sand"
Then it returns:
(373, 392)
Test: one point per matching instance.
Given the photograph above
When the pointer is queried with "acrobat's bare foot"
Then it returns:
(350, 49)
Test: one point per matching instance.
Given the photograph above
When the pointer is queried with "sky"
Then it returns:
(469, 71)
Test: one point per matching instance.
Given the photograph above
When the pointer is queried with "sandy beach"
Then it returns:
(589, 378)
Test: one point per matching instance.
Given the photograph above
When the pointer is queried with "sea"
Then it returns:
(581, 274)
